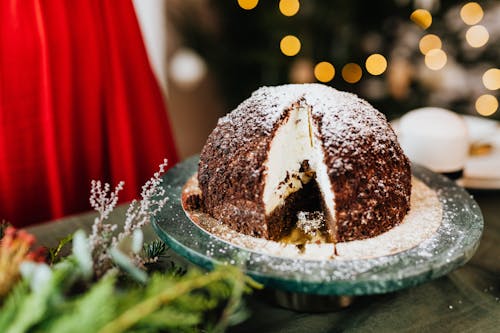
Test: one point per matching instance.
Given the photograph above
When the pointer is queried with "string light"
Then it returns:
(429, 42)
(471, 13)
(290, 45)
(435, 59)
(491, 79)
(422, 18)
(248, 4)
(376, 64)
(289, 7)
(352, 72)
(477, 36)
(486, 105)
(324, 71)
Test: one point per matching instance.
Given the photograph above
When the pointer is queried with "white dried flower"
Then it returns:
(139, 213)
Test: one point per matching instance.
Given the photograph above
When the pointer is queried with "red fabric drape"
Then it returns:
(78, 101)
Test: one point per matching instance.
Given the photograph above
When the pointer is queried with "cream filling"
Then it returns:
(294, 142)
(318, 165)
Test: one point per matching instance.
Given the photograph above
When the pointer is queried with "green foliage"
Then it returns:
(35, 307)
(127, 265)
(54, 253)
(105, 286)
(86, 313)
(71, 296)
(154, 249)
(12, 304)
(168, 299)
(194, 302)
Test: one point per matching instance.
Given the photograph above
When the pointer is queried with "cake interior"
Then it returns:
(296, 178)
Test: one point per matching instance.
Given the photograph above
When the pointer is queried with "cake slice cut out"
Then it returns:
(295, 158)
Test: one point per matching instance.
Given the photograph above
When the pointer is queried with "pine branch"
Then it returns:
(63, 298)
(154, 249)
(89, 312)
(233, 313)
(136, 313)
(35, 307)
(56, 251)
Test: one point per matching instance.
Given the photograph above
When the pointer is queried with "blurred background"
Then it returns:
(398, 54)
(80, 101)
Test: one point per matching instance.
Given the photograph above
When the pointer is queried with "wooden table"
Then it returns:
(466, 300)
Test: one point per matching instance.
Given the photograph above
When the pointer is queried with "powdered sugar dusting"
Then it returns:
(265, 107)
(255, 117)
(310, 223)
(348, 120)
(420, 224)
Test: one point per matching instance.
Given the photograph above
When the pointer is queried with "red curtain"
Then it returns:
(78, 101)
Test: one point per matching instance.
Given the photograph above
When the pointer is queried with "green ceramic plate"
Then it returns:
(452, 245)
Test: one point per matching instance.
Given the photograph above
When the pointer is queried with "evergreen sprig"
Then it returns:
(107, 284)
(55, 252)
(154, 249)
(168, 303)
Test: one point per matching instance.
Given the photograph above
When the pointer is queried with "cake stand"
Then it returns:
(319, 285)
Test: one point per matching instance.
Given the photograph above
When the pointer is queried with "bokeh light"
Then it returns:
(289, 7)
(435, 59)
(477, 36)
(429, 42)
(471, 13)
(491, 79)
(324, 71)
(422, 18)
(302, 71)
(352, 72)
(290, 45)
(187, 68)
(248, 4)
(486, 105)
(376, 64)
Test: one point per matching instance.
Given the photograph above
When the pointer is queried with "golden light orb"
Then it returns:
(422, 18)
(290, 45)
(486, 105)
(429, 42)
(471, 13)
(491, 79)
(435, 59)
(376, 64)
(248, 4)
(477, 36)
(289, 7)
(352, 72)
(324, 71)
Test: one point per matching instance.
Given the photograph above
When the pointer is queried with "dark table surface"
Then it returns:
(466, 300)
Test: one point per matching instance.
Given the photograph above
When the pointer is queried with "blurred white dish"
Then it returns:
(482, 129)
(436, 138)
(482, 171)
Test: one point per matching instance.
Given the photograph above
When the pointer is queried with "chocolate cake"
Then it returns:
(306, 147)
